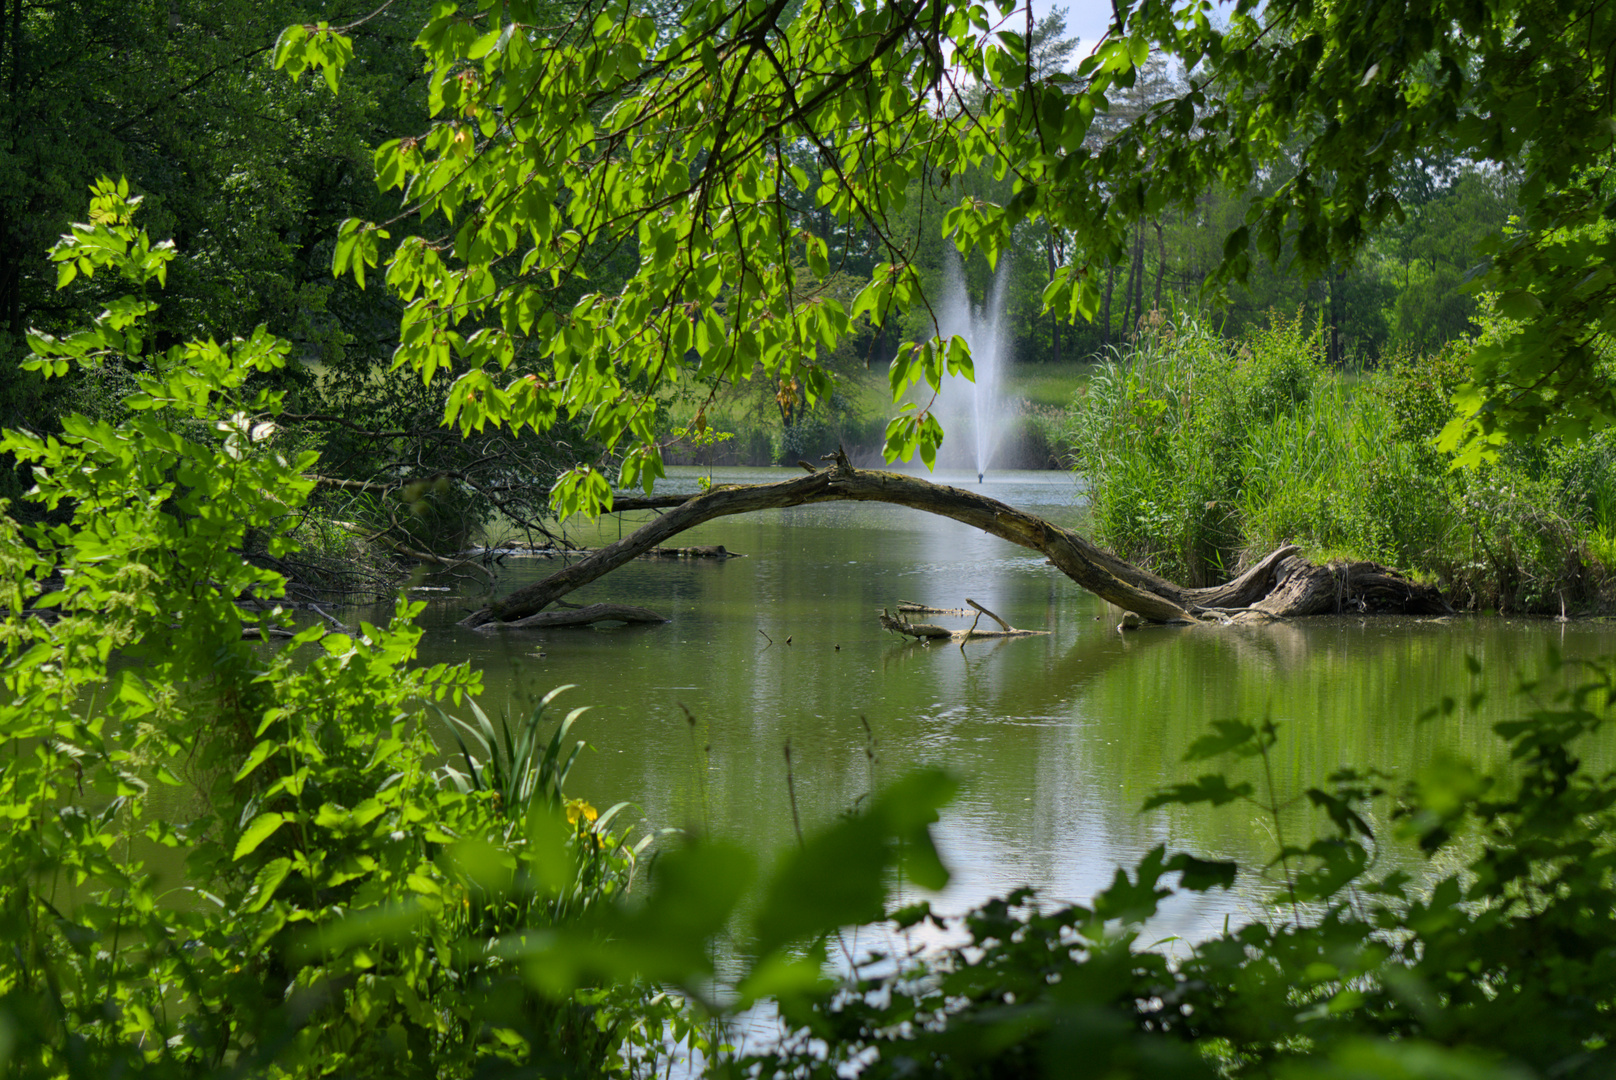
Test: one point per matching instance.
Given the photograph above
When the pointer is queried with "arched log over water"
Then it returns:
(1103, 574)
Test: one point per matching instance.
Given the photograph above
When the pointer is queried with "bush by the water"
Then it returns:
(1201, 456)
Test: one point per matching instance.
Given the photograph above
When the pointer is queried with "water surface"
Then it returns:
(1056, 739)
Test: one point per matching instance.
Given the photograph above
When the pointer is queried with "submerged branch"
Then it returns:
(931, 631)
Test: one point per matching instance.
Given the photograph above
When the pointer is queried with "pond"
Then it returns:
(1056, 739)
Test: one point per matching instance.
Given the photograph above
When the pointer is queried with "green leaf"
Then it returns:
(268, 879)
(834, 880)
(291, 50)
(838, 876)
(1199, 875)
(259, 754)
(694, 890)
(262, 828)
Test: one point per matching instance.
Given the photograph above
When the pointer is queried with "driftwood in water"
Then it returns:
(583, 616)
(700, 551)
(909, 607)
(900, 625)
(931, 631)
(1268, 583)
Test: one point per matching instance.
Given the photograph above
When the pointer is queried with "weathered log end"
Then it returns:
(478, 618)
(900, 625)
(1306, 588)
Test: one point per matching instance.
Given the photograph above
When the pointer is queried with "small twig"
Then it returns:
(332, 619)
(767, 638)
(969, 632)
(1003, 625)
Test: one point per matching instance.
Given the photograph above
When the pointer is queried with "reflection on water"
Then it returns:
(1058, 739)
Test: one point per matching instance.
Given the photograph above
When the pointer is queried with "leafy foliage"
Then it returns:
(557, 139)
(1487, 961)
(313, 905)
(1202, 456)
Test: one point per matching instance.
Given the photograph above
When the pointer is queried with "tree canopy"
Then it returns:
(702, 152)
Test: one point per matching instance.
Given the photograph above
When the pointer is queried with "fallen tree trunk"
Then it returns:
(579, 616)
(1304, 588)
(1128, 587)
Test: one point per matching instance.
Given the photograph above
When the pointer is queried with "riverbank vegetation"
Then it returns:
(1033, 399)
(1202, 455)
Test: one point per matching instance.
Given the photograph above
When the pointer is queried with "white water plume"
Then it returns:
(972, 413)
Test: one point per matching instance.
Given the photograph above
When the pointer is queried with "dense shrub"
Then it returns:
(1161, 434)
(1484, 950)
(316, 896)
(1201, 457)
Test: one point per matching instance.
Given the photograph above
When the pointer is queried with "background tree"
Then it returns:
(556, 133)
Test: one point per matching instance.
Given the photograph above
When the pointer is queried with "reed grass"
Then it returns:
(1202, 455)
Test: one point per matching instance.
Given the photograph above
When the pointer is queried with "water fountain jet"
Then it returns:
(973, 413)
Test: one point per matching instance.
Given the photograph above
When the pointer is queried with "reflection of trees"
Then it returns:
(1082, 726)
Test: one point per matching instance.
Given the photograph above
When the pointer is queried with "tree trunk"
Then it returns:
(1161, 261)
(1100, 572)
(1336, 343)
(1127, 288)
(1105, 308)
(1137, 281)
(1054, 316)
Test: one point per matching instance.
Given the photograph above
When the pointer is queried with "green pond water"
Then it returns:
(1056, 740)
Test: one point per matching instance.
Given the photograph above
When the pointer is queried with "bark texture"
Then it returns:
(1127, 586)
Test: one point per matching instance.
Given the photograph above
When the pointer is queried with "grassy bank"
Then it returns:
(752, 431)
(1203, 455)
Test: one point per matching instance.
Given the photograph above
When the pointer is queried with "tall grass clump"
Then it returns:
(1202, 455)
(1160, 431)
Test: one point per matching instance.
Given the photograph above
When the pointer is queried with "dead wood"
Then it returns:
(900, 625)
(1268, 584)
(909, 607)
(931, 631)
(1304, 588)
(700, 551)
(1003, 625)
(584, 616)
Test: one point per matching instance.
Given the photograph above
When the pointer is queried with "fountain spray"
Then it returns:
(973, 412)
